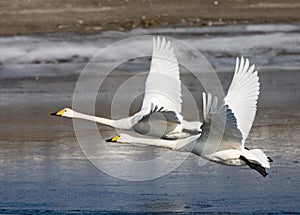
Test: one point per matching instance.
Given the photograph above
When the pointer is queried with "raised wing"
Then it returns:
(220, 122)
(243, 94)
(163, 86)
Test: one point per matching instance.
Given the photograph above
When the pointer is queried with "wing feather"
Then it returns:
(163, 86)
(243, 94)
(217, 115)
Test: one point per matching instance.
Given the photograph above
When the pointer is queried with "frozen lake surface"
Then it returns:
(271, 47)
(43, 169)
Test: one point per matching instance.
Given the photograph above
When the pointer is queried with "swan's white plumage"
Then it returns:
(238, 110)
(163, 90)
(163, 85)
(183, 145)
(218, 121)
(243, 94)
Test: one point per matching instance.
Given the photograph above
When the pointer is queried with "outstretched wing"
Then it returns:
(243, 94)
(163, 86)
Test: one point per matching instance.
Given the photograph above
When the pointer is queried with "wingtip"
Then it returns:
(168, 46)
(204, 105)
(163, 42)
(237, 62)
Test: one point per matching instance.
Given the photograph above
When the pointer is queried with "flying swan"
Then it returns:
(160, 115)
(236, 112)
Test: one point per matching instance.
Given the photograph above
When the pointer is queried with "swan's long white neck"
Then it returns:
(183, 145)
(121, 123)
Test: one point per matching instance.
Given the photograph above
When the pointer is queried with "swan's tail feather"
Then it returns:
(258, 167)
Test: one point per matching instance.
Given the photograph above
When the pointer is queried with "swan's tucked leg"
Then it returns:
(258, 167)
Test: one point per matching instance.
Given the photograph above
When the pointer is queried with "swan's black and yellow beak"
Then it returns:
(58, 113)
(113, 139)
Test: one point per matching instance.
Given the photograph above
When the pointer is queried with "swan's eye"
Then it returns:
(65, 110)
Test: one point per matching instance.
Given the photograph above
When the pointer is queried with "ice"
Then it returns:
(269, 46)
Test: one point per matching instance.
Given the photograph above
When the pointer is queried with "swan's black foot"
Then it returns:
(259, 168)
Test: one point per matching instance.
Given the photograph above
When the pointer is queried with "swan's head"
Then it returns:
(120, 138)
(66, 112)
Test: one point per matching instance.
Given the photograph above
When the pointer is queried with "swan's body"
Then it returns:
(234, 116)
(160, 115)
